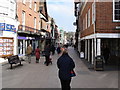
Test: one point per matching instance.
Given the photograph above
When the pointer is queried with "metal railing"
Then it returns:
(28, 29)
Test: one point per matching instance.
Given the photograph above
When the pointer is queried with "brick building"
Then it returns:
(98, 24)
(33, 24)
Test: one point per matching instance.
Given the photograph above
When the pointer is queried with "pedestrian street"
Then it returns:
(38, 75)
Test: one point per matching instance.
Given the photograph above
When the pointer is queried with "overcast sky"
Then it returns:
(63, 13)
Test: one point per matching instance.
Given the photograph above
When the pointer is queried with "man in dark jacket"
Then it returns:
(65, 65)
(106, 54)
(47, 54)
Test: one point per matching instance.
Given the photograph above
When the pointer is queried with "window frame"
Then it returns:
(35, 23)
(114, 12)
(23, 1)
(35, 6)
(23, 19)
(86, 21)
(89, 18)
(93, 13)
(30, 4)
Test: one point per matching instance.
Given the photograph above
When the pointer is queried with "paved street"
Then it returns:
(40, 76)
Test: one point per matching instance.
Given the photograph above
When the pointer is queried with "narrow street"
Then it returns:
(40, 76)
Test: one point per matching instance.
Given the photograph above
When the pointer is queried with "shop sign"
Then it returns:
(7, 27)
(2, 26)
(10, 28)
(24, 38)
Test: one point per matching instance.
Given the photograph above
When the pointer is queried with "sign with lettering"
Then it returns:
(2, 26)
(7, 27)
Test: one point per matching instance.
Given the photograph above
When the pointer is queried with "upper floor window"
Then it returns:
(86, 21)
(30, 5)
(93, 13)
(35, 6)
(23, 19)
(24, 1)
(116, 10)
(89, 18)
(35, 23)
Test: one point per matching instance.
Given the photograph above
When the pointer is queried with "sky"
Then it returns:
(63, 13)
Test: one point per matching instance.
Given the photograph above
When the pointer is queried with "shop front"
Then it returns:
(113, 45)
(8, 37)
(23, 43)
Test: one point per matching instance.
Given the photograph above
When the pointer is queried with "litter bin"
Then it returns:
(98, 64)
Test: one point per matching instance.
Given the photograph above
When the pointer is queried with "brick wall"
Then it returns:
(30, 14)
(104, 19)
(88, 30)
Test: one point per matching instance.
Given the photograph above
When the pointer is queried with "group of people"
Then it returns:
(29, 52)
(48, 50)
(65, 63)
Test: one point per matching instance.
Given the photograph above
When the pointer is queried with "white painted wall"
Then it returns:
(8, 8)
(11, 21)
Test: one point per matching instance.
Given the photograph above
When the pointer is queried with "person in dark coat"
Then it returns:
(47, 51)
(106, 53)
(59, 49)
(53, 49)
(65, 64)
(37, 54)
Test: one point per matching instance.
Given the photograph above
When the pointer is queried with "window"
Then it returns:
(86, 23)
(12, 7)
(24, 1)
(35, 5)
(30, 5)
(40, 8)
(116, 10)
(35, 22)
(89, 18)
(93, 13)
(23, 20)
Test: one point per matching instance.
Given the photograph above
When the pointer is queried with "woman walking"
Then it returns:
(37, 54)
(65, 65)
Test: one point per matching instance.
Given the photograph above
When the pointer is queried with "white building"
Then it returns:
(8, 28)
(61, 31)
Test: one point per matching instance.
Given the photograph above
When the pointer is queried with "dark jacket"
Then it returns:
(58, 50)
(47, 50)
(65, 65)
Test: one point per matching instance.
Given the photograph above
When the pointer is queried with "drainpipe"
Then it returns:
(94, 50)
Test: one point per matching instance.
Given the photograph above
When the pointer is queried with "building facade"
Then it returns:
(8, 28)
(61, 38)
(98, 26)
(33, 25)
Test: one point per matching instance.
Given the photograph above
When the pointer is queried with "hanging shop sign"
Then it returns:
(7, 27)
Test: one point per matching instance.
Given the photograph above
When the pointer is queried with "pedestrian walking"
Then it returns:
(106, 54)
(53, 49)
(29, 52)
(65, 65)
(37, 54)
(58, 49)
(47, 51)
